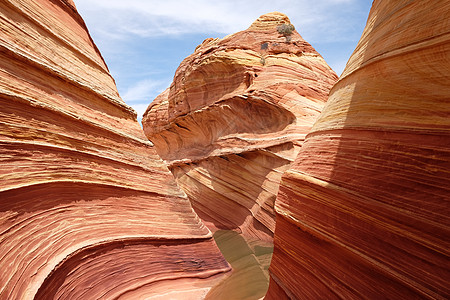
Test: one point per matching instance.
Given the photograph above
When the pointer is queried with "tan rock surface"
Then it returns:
(228, 127)
(364, 212)
(87, 208)
(234, 118)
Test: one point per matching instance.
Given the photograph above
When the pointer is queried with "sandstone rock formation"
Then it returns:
(233, 120)
(364, 212)
(87, 208)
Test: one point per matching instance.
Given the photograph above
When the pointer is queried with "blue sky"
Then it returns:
(144, 41)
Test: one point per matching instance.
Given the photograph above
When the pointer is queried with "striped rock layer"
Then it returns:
(87, 208)
(364, 211)
(233, 120)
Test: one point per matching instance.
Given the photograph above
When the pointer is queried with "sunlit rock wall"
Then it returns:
(364, 212)
(87, 208)
(233, 119)
(228, 127)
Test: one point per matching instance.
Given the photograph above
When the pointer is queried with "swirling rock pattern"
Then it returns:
(87, 208)
(231, 123)
(364, 212)
(234, 118)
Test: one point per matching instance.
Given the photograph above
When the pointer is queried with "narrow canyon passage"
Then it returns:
(258, 174)
(229, 126)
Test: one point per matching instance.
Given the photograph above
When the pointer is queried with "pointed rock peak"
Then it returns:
(270, 21)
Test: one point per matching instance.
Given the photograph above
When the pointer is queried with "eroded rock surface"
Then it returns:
(87, 208)
(364, 212)
(233, 120)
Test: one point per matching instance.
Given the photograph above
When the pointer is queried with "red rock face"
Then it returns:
(233, 119)
(364, 212)
(87, 208)
(231, 123)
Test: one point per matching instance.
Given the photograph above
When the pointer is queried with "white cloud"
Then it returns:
(145, 90)
(140, 109)
(149, 18)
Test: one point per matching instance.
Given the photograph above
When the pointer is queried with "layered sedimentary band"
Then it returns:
(228, 127)
(364, 211)
(234, 118)
(88, 210)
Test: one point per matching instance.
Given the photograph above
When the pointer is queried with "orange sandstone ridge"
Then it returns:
(234, 118)
(231, 123)
(364, 211)
(87, 208)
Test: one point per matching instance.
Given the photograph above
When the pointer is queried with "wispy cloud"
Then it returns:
(140, 109)
(145, 90)
(120, 19)
(140, 94)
